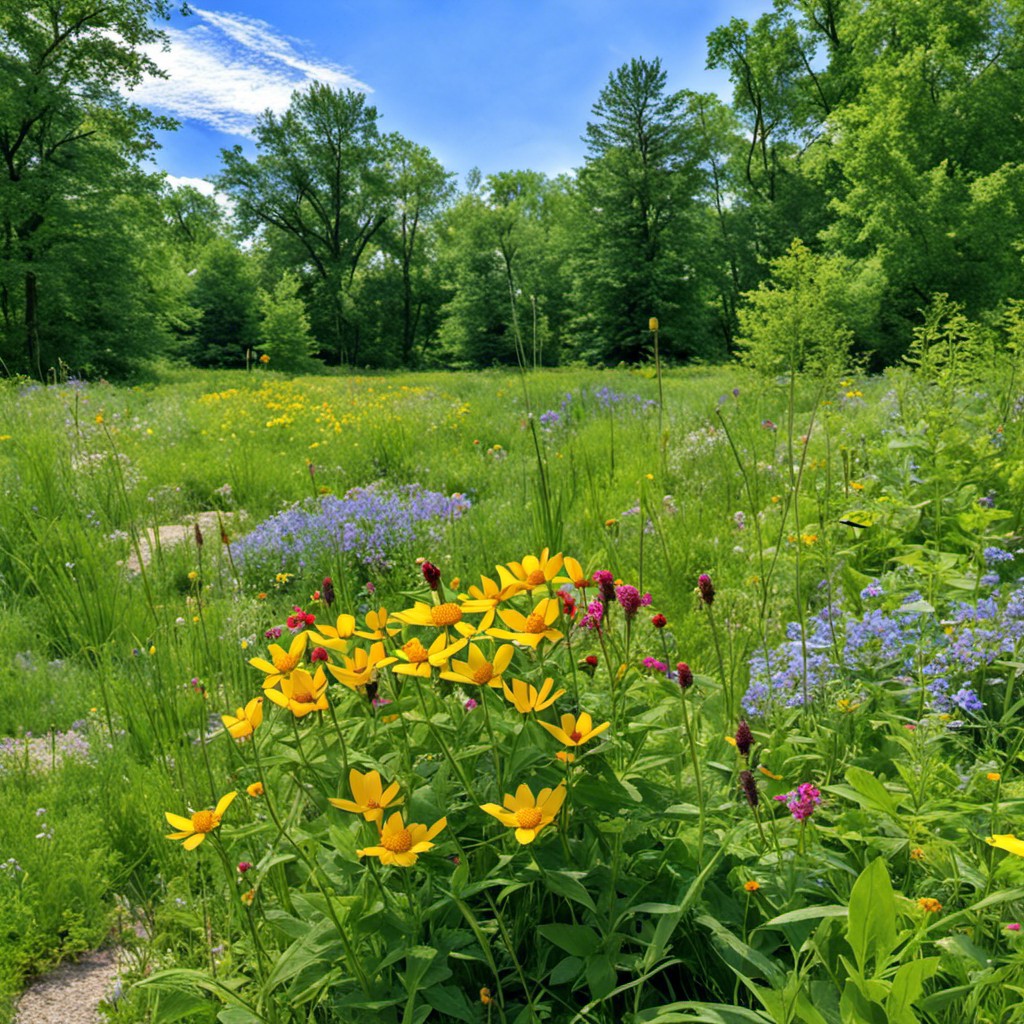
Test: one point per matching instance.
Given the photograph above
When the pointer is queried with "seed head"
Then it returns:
(684, 676)
(706, 588)
(327, 591)
(744, 739)
(749, 786)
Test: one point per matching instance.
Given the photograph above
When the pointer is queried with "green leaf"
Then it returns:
(907, 989)
(564, 884)
(577, 939)
(871, 929)
(701, 1013)
(805, 914)
(568, 969)
(236, 1015)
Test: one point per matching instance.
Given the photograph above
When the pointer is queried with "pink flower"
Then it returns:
(802, 800)
(1014, 927)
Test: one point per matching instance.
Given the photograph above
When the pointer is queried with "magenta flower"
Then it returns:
(630, 599)
(802, 800)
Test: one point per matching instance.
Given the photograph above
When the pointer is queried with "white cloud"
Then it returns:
(225, 69)
(199, 184)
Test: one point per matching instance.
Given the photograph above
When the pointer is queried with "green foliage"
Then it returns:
(225, 295)
(284, 330)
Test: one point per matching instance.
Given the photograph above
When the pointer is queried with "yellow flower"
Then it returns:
(531, 629)
(993, 776)
(248, 897)
(771, 775)
(526, 698)
(400, 843)
(526, 814)
(193, 575)
(751, 886)
(478, 670)
(419, 661)
(565, 756)
(574, 574)
(575, 731)
(371, 798)
(1007, 841)
(264, 359)
(283, 577)
(245, 720)
(439, 616)
(301, 693)
(336, 637)
(917, 853)
(362, 667)
(487, 597)
(282, 663)
(929, 905)
(856, 486)
(255, 789)
(531, 571)
(377, 624)
(485, 996)
(99, 417)
(193, 830)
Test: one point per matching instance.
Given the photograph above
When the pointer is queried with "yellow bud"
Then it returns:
(652, 324)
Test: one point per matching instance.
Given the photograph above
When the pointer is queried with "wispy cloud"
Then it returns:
(225, 69)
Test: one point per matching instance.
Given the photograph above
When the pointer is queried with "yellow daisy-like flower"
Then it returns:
(194, 830)
(531, 571)
(526, 814)
(282, 662)
(526, 698)
(574, 574)
(751, 886)
(302, 693)
(336, 637)
(1007, 841)
(419, 661)
(478, 671)
(255, 789)
(489, 594)
(929, 905)
(401, 844)
(575, 731)
(377, 627)
(244, 721)
(359, 669)
(530, 629)
(370, 797)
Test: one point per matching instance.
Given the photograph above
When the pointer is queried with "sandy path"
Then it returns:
(72, 993)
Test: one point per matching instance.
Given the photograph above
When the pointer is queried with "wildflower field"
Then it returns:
(571, 696)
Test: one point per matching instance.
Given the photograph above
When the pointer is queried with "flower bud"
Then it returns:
(706, 588)
(327, 591)
(749, 786)
(652, 324)
(744, 739)
(431, 574)
(659, 621)
(684, 676)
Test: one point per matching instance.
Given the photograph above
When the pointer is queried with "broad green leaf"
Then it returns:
(871, 928)
(907, 989)
(563, 884)
(577, 939)
(805, 914)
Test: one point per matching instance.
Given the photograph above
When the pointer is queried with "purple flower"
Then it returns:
(595, 612)
(873, 589)
(706, 588)
(470, 704)
(802, 800)
(274, 633)
(629, 597)
(995, 555)
(654, 665)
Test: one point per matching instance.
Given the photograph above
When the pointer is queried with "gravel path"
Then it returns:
(72, 993)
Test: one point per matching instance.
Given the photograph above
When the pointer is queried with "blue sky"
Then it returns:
(494, 84)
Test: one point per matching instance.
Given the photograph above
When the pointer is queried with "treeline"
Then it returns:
(871, 160)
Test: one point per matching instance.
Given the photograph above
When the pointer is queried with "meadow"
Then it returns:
(573, 695)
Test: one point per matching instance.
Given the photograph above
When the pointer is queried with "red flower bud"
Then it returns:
(659, 621)
(684, 676)
(318, 654)
(706, 588)
(431, 574)
(591, 660)
(744, 739)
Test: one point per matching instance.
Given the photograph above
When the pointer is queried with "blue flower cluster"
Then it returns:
(949, 656)
(368, 524)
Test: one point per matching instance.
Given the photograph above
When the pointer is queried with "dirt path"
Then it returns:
(72, 993)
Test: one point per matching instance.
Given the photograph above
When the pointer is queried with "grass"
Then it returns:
(657, 892)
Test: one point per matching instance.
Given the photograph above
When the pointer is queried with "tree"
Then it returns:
(284, 333)
(225, 294)
(636, 210)
(320, 188)
(65, 131)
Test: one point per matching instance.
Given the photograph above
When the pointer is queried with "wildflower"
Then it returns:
(659, 621)
(654, 665)
(470, 704)
(1013, 927)
(574, 574)
(527, 815)
(802, 800)
(574, 732)
(274, 633)
(264, 359)
(629, 598)
(749, 786)
(744, 739)
(431, 574)
(532, 572)
(591, 660)
(929, 905)
(371, 798)
(993, 555)
(768, 425)
(377, 625)
(243, 866)
(336, 637)
(419, 661)
(282, 662)
(255, 789)
(299, 620)
(327, 591)
(244, 721)
(1007, 841)
(198, 535)
(856, 486)
(526, 698)
(530, 630)
(565, 756)
(193, 830)
(595, 613)
(917, 853)
(401, 844)
(993, 776)
(478, 670)
(193, 576)
(301, 693)
(318, 654)
(361, 668)
(751, 886)
(684, 676)
(706, 588)
(485, 996)
(438, 616)
(606, 585)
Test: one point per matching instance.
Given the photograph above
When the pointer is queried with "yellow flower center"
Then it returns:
(446, 614)
(528, 817)
(397, 842)
(284, 663)
(415, 651)
(535, 623)
(483, 674)
(536, 578)
(203, 821)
